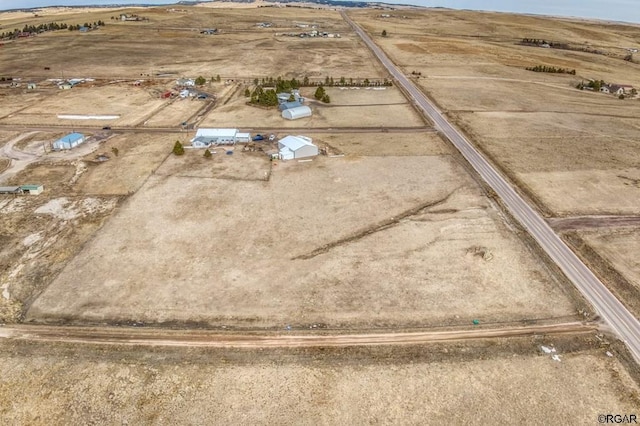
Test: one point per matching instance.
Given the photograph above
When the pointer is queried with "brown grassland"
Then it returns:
(391, 232)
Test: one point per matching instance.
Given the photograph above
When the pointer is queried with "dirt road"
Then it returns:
(588, 222)
(131, 336)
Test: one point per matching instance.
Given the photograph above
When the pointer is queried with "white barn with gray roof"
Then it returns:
(204, 138)
(292, 147)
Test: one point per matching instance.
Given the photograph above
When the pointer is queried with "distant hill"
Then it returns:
(339, 3)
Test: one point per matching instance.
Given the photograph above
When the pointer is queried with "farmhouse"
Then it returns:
(291, 147)
(187, 82)
(207, 137)
(69, 141)
(620, 89)
(297, 112)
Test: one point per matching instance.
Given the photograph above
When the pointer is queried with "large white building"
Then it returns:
(291, 147)
(297, 112)
(207, 137)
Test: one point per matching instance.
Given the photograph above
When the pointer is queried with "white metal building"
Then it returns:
(207, 137)
(69, 141)
(291, 147)
(297, 112)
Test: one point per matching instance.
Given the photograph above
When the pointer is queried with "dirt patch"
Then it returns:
(39, 235)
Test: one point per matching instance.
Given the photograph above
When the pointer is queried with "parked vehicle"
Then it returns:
(258, 137)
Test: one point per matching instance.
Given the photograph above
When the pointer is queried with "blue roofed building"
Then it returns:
(288, 105)
(69, 141)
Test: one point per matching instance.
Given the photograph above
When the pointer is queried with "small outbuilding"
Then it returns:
(243, 137)
(289, 105)
(69, 141)
(292, 147)
(297, 112)
(14, 190)
(32, 189)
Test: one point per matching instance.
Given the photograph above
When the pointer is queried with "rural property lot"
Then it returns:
(237, 250)
(620, 247)
(393, 236)
(614, 254)
(170, 42)
(547, 135)
(131, 104)
(383, 144)
(348, 108)
(511, 380)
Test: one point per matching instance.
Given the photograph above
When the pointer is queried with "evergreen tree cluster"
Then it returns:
(41, 28)
(322, 95)
(283, 85)
(86, 24)
(595, 85)
(554, 70)
(535, 42)
(268, 97)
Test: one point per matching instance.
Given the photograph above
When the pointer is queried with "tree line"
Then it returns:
(284, 85)
(41, 28)
(544, 68)
(535, 41)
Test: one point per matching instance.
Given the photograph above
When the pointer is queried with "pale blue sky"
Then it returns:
(618, 10)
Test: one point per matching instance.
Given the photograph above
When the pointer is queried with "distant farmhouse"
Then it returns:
(135, 18)
(185, 82)
(69, 141)
(617, 89)
(207, 137)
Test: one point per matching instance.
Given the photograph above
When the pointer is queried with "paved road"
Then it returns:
(608, 306)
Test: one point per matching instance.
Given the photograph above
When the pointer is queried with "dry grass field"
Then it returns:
(392, 233)
(471, 383)
(273, 255)
(383, 144)
(132, 105)
(170, 42)
(558, 143)
(618, 249)
(348, 108)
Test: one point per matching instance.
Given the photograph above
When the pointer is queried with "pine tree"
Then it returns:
(178, 149)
